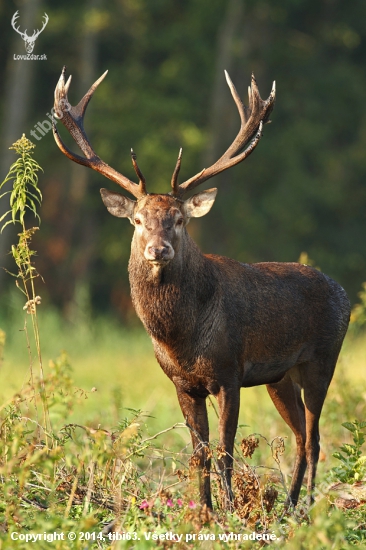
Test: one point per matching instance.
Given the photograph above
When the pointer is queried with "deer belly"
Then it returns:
(268, 372)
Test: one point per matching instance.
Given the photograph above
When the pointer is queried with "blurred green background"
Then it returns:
(303, 190)
(301, 193)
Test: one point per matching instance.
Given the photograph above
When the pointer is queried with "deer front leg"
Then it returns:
(195, 413)
(229, 401)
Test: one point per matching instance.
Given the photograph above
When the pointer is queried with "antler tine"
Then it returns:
(67, 84)
(14, 18)
(174, 182)
(252, 119)
(243, 110)
(142, 181)
(272, 96)
(84, 102)
(73, 119)
(38, 31)
(14, 21)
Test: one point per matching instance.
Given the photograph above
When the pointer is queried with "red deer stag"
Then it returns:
(216, 324)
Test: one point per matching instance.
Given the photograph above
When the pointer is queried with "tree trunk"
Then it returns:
(81, 233)
(224, 120)
(221, 97)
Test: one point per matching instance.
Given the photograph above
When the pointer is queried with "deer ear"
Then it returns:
(200, 204)
(118, 205)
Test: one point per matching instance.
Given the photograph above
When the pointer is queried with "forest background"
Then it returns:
(300, 196)
(302, 191)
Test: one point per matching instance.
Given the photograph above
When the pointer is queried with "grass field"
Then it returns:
(94, 453)
(120, 366)
(110, 370)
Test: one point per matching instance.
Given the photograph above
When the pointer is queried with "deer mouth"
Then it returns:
(162, 262)
(159, 255)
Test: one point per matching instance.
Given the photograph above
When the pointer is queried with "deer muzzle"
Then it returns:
(159, 254)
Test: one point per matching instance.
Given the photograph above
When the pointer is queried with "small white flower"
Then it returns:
(30, 306)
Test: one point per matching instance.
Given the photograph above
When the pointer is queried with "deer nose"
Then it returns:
(159, 253)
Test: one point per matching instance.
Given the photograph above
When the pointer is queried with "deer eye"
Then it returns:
(180, 221)
(137, 221)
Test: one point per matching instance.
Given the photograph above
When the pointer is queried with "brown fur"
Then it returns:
(218, 325)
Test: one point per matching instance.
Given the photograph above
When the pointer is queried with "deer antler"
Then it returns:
(24, 34)
(73, 119)
(38, 32)
(252, 119)
(13, 21)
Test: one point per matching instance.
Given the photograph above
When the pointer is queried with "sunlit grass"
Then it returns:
(116, 369)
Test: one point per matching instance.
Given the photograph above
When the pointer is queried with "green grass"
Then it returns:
(113, 371)
(82, 400)
(119, 365)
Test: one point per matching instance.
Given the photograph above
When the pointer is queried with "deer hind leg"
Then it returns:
(286, 396)
(195, 413)
(229, 402)
(315, 384)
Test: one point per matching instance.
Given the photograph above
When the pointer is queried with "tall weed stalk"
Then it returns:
(24, 196)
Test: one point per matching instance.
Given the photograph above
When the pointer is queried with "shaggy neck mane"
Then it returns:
(166, 299)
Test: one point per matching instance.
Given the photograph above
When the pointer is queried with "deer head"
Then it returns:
(29, 40)
(160, 220)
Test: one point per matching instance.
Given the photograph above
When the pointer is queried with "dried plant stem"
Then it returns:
(27, 274)
(25, 195)
(89, 488)
(31, 372)
(73, 491)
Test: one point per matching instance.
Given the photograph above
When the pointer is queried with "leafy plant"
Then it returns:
(353, 462)
(26, 195)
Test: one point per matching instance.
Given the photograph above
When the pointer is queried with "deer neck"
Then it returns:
(164, 298)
